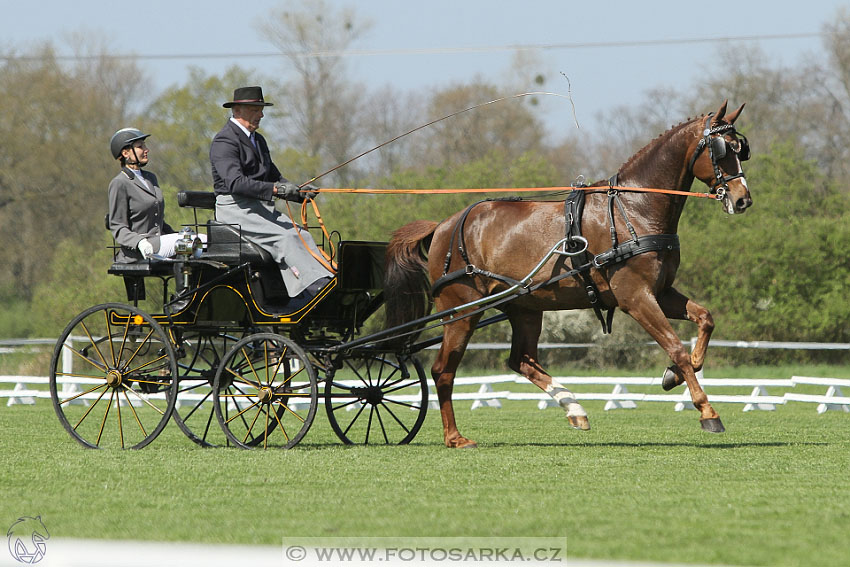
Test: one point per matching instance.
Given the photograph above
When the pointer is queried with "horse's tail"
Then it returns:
(407, 295)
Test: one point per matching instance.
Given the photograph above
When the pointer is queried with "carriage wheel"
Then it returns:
(265, 392)
(375, 399)
(112, 377)
(199, 356)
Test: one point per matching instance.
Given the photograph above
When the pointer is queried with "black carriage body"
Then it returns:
(236, 285)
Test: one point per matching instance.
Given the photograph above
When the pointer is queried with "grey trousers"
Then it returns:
(273, 231)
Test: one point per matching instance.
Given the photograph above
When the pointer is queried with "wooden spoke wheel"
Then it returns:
(199, 354)
(112, 377)
(265, 392)
(377, 399)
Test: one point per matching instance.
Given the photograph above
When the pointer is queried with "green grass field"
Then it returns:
(643, 485)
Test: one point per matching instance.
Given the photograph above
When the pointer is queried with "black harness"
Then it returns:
(576, 248)
(581, 259)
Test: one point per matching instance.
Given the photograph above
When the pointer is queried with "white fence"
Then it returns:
(765, 393)
(618, 395)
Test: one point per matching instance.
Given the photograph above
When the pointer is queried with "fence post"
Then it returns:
(69, 388)
(619, 404)
(832, 392)
(759, 391)
(26, 400)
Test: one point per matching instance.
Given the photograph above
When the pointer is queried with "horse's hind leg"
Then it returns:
(678, 306)
(650, 316)
(525, 330)
(455, 338)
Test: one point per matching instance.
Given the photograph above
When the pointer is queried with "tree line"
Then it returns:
(778, 272)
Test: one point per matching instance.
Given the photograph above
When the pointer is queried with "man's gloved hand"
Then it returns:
(145, 247)
(311, 191)
(288, 191)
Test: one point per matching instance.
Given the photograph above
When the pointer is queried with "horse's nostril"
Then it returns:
(743, 203)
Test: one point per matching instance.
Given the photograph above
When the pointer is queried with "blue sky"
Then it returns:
(602, 77)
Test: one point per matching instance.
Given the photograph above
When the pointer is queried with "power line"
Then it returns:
(426, 51)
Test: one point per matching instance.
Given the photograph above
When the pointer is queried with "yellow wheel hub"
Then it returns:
(114, 378)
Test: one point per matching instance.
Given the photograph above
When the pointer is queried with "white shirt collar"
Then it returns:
(140, 174)
(241, 127)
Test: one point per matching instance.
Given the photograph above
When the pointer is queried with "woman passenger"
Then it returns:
(136, 204)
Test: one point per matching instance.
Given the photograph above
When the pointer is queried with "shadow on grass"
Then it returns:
(307, 446)
(637, 444)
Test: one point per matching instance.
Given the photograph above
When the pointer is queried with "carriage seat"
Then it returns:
(196, 199)
(226, 244)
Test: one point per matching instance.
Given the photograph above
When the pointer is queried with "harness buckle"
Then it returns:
(602, 258)
(470, 270)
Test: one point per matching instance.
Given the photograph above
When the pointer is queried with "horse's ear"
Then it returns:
(734, 116)
(721, 112)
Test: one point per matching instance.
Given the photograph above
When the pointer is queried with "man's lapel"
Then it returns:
(246, 141)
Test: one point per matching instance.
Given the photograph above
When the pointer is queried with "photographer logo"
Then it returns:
(27, 539)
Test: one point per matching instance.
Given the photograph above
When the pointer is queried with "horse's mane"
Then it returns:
(666, 135)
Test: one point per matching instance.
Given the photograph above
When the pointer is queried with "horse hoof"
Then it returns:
(462, 443)
(579, 422)
(712, 425)
(669, 380)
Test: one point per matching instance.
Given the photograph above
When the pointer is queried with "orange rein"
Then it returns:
(518, 190)
(325, 259)
(328, 262)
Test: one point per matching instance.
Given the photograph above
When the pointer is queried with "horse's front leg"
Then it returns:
(525, 333)
(644, 309)
(678, 306)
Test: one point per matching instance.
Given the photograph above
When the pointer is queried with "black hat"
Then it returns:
(248, 95)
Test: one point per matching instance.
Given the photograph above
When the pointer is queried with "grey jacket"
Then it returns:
(135, 212)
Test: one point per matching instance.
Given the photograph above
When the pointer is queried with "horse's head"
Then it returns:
(720, 166)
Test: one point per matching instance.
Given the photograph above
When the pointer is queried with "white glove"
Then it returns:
(145, 247)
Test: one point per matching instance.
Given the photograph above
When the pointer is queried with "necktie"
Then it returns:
(254, 142)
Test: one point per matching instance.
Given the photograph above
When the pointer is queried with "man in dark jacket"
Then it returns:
(246, 181)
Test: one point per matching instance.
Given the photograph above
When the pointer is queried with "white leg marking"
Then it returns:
(565, 399)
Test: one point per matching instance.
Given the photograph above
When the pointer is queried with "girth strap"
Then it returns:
(581, 262)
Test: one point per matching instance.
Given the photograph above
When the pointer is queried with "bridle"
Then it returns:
(715, 140)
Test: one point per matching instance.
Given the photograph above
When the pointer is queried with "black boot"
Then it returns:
(308, 294)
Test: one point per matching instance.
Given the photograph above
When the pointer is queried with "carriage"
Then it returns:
(229, 357)
(231, 349)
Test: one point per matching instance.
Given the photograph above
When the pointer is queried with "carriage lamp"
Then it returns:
(188, 244)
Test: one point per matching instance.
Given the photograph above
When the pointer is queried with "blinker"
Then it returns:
(740, 146)
(743, 150)
(718, 147)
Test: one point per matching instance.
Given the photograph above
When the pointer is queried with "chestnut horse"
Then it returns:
(503, 241)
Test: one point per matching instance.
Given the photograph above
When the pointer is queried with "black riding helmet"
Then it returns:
(123, 138)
